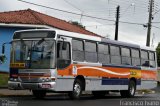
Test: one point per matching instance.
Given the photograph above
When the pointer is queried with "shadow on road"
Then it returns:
(65, 97)
(85, 100)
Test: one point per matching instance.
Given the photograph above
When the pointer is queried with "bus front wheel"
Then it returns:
(39, 94)
(131, 90)
(77, 90)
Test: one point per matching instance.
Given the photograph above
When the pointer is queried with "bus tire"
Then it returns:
(39, 94)
(99, 94)
(131, 90)
(77, 90)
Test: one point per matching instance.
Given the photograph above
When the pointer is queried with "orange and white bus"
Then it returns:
(48, 60)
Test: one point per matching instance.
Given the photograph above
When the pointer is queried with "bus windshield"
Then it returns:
(35, 54)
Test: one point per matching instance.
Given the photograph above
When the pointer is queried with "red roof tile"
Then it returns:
(33, 17)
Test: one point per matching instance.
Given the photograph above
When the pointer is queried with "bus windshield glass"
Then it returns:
(35, 54)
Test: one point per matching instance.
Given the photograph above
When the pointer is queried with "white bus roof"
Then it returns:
(90, 37)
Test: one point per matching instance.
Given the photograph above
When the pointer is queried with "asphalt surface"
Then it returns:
(113, 99)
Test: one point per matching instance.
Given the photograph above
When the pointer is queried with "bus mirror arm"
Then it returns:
(3, 46)
(64, 45)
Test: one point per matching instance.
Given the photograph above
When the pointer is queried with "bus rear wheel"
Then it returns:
(131, 90)
(39, 94)
(77, 90)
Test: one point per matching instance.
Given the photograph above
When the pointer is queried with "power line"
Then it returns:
(123, 2)
(98, 25)
(128, 8)
(48, 7)
(65, 11)
(82, 12)
(156, 12)
(144, 2)
(155, 22)
(156, 27)
(73, 5)
(131, 23)
(104, 19)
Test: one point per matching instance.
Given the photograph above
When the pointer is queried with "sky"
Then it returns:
(132, 11)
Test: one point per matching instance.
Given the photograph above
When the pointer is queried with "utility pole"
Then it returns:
(117, 22)
(149, 22)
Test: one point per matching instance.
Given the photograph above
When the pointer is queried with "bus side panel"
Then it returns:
(96, 84)
(107, 78)
(64, 83)
(148, 79)
(94, 77)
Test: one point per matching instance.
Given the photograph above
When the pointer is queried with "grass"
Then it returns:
(4, 79)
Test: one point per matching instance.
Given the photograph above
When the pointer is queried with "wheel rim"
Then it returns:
(132, 89)
(77, 89)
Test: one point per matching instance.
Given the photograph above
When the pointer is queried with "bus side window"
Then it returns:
(126, 56)
(91, 51)
(144, 58)
(115, 55)
(103, 54)
(77, 50)
(152, 62)
(135, 54)
(63, 56)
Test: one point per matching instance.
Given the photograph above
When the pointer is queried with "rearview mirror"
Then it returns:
(2, 59)
(3, 46)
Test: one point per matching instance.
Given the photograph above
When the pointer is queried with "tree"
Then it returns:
(77, 24)
(158, 54)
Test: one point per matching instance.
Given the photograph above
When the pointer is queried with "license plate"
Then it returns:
(46, 86)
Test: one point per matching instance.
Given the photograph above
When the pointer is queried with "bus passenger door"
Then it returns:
(63, 54)
(64, 81)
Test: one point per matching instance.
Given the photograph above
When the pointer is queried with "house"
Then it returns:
(29, 19)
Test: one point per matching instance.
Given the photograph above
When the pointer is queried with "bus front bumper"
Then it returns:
(32, 86)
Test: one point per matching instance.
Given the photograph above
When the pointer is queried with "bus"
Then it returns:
(50, 60)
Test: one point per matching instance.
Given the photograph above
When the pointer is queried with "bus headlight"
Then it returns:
(46, 79)
(13, 79)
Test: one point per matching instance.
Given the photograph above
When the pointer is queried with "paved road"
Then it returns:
(86, 100)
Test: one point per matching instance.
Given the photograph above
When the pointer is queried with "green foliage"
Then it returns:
(77, 24)
(3, 80)
(158, 54)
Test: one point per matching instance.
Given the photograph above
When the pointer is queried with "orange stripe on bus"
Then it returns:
(93, 72)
